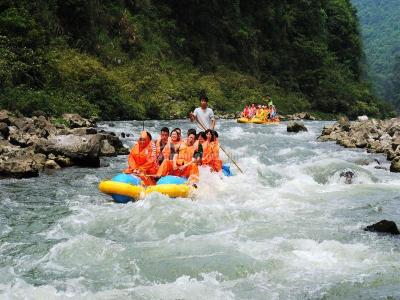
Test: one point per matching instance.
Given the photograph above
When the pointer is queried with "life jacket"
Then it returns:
(143, 159)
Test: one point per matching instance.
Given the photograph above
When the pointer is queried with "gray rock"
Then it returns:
(296, 126)
(51, 165)
(106, 149)
(63, 161)
(395, 165)
(82, 150)
(75, 121)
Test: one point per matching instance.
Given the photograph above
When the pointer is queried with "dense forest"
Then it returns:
(380, 24)
(151, 58)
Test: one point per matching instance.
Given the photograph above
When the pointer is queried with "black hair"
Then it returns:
(204, 98)
(215, 133)
(149, 135)
(212, 134)
(175, 130)
(165, 129)
(202, 134)
(191, 131)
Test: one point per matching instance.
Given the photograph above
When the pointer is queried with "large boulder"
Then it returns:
(75, 121)
(21, 163)
(383, 226)
(395, 165)
(82, 150)
(106, 149)
(296, 126)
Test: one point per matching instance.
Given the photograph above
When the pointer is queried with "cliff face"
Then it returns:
(137, 59)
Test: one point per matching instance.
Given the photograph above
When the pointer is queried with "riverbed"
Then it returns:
(288, 228)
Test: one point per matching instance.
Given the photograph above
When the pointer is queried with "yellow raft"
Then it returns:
(130, 189)
(258, 121)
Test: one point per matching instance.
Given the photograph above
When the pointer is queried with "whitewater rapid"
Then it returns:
(288, 228)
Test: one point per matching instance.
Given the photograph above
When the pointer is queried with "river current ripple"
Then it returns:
(288, 228)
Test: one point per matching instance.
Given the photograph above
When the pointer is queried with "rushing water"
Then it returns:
(288, 228)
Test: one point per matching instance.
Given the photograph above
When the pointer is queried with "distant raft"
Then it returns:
(274, 121)
(124, 188)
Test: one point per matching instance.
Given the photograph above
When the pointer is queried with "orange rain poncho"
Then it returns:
(142, 159)
(179, 155)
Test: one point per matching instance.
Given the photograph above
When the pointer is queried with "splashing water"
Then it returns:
(288, 228)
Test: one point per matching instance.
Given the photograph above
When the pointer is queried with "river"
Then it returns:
(288, 228)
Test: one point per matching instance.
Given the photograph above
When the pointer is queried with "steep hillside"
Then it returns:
(140, 59)
(380, 25)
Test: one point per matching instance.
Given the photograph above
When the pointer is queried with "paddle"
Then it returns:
(204, 128)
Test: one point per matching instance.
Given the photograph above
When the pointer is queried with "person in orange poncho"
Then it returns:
(142, 159)
(211, 152)
(178, 158)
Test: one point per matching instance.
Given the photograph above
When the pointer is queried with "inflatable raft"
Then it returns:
(124, 188)
(258, 121)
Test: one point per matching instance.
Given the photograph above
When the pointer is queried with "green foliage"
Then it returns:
(381, 32)
(152, 59)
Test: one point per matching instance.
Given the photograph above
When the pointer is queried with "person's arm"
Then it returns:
(212, 117)
(193, 115)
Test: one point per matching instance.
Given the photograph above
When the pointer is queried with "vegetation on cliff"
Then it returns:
(151, 59)
(380, 25)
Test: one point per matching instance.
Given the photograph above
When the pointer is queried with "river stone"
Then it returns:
(106, 149)
(64, 161)
(75, 121)
(51, 165)
(296, 126)
(395, 165)
(82, 150)
(348, 176)
(19, 167)
(83, 131)
(6, 116)
(4, 130)
(383, 226)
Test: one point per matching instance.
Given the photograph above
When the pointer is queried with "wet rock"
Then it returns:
(296, 126)
(123, 134)
(348, 176)
(83, 131)
(362, 162)
(383, 226)
(106, 149)
(51, 165)
(299, 116)
(63, 161)
(19, 163)
(76, 121)
(344, 123)
(128, 135)
(381, 168)
(4, 130)
(395, 165)
(82, 150)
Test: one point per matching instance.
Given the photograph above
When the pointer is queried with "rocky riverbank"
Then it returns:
(378, 136)
(31, 145)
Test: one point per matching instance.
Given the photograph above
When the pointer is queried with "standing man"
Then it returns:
(203, 114)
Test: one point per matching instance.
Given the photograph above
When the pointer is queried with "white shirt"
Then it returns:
(204, 116)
